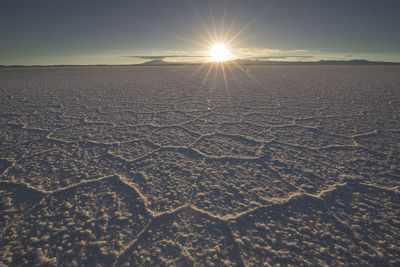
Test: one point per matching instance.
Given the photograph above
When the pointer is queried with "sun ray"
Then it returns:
(246, 73)
(214, 27)
(247, 25)
(228, 32)
(224, 74)
(227, 90)
(228, 66)
(201, 67)
(219, 65)
(210, 36)
(222, 28)
(208, 73)
(191, 41)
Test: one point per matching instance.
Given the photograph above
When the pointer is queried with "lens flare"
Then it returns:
(219, 52)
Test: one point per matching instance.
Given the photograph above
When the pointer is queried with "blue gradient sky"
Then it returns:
(94, 32)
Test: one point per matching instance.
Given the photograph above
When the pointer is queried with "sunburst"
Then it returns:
(219, 43)
(219, 52)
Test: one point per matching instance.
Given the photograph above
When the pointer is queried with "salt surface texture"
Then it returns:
(297, 165)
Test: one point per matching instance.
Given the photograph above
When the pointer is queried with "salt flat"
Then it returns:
(293, 165)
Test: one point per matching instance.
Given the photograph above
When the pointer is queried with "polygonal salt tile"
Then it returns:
(185, 237)
(87, 224)
(66, 165)
(11, 135)
(345, 125)
(16, 199)
(201, 126)
(167, 177)
(170, 118)
(101, 133)
(13, 118)
(248, 130)
(266, 119)
(373, 214)
(4, 164)
(221, 145)
(231, 186)
(308, 137)
(363, 162)
(133, 149)
(171, 136)
(221, 117)
(50, 121)
(307, 169)
(133, 118)
(299, 232)
(380, 141)
(27, 149)
(192, 106)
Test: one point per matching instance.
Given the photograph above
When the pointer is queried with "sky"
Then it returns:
(46, 32)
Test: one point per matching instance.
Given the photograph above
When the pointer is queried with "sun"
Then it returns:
(219, 52)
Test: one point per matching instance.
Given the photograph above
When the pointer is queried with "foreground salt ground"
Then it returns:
(292, 165)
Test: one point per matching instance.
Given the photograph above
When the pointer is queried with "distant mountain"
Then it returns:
(159, 62)
(320, 62)
(356, 62)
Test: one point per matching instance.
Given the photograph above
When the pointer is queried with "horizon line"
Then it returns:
(248, 61)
